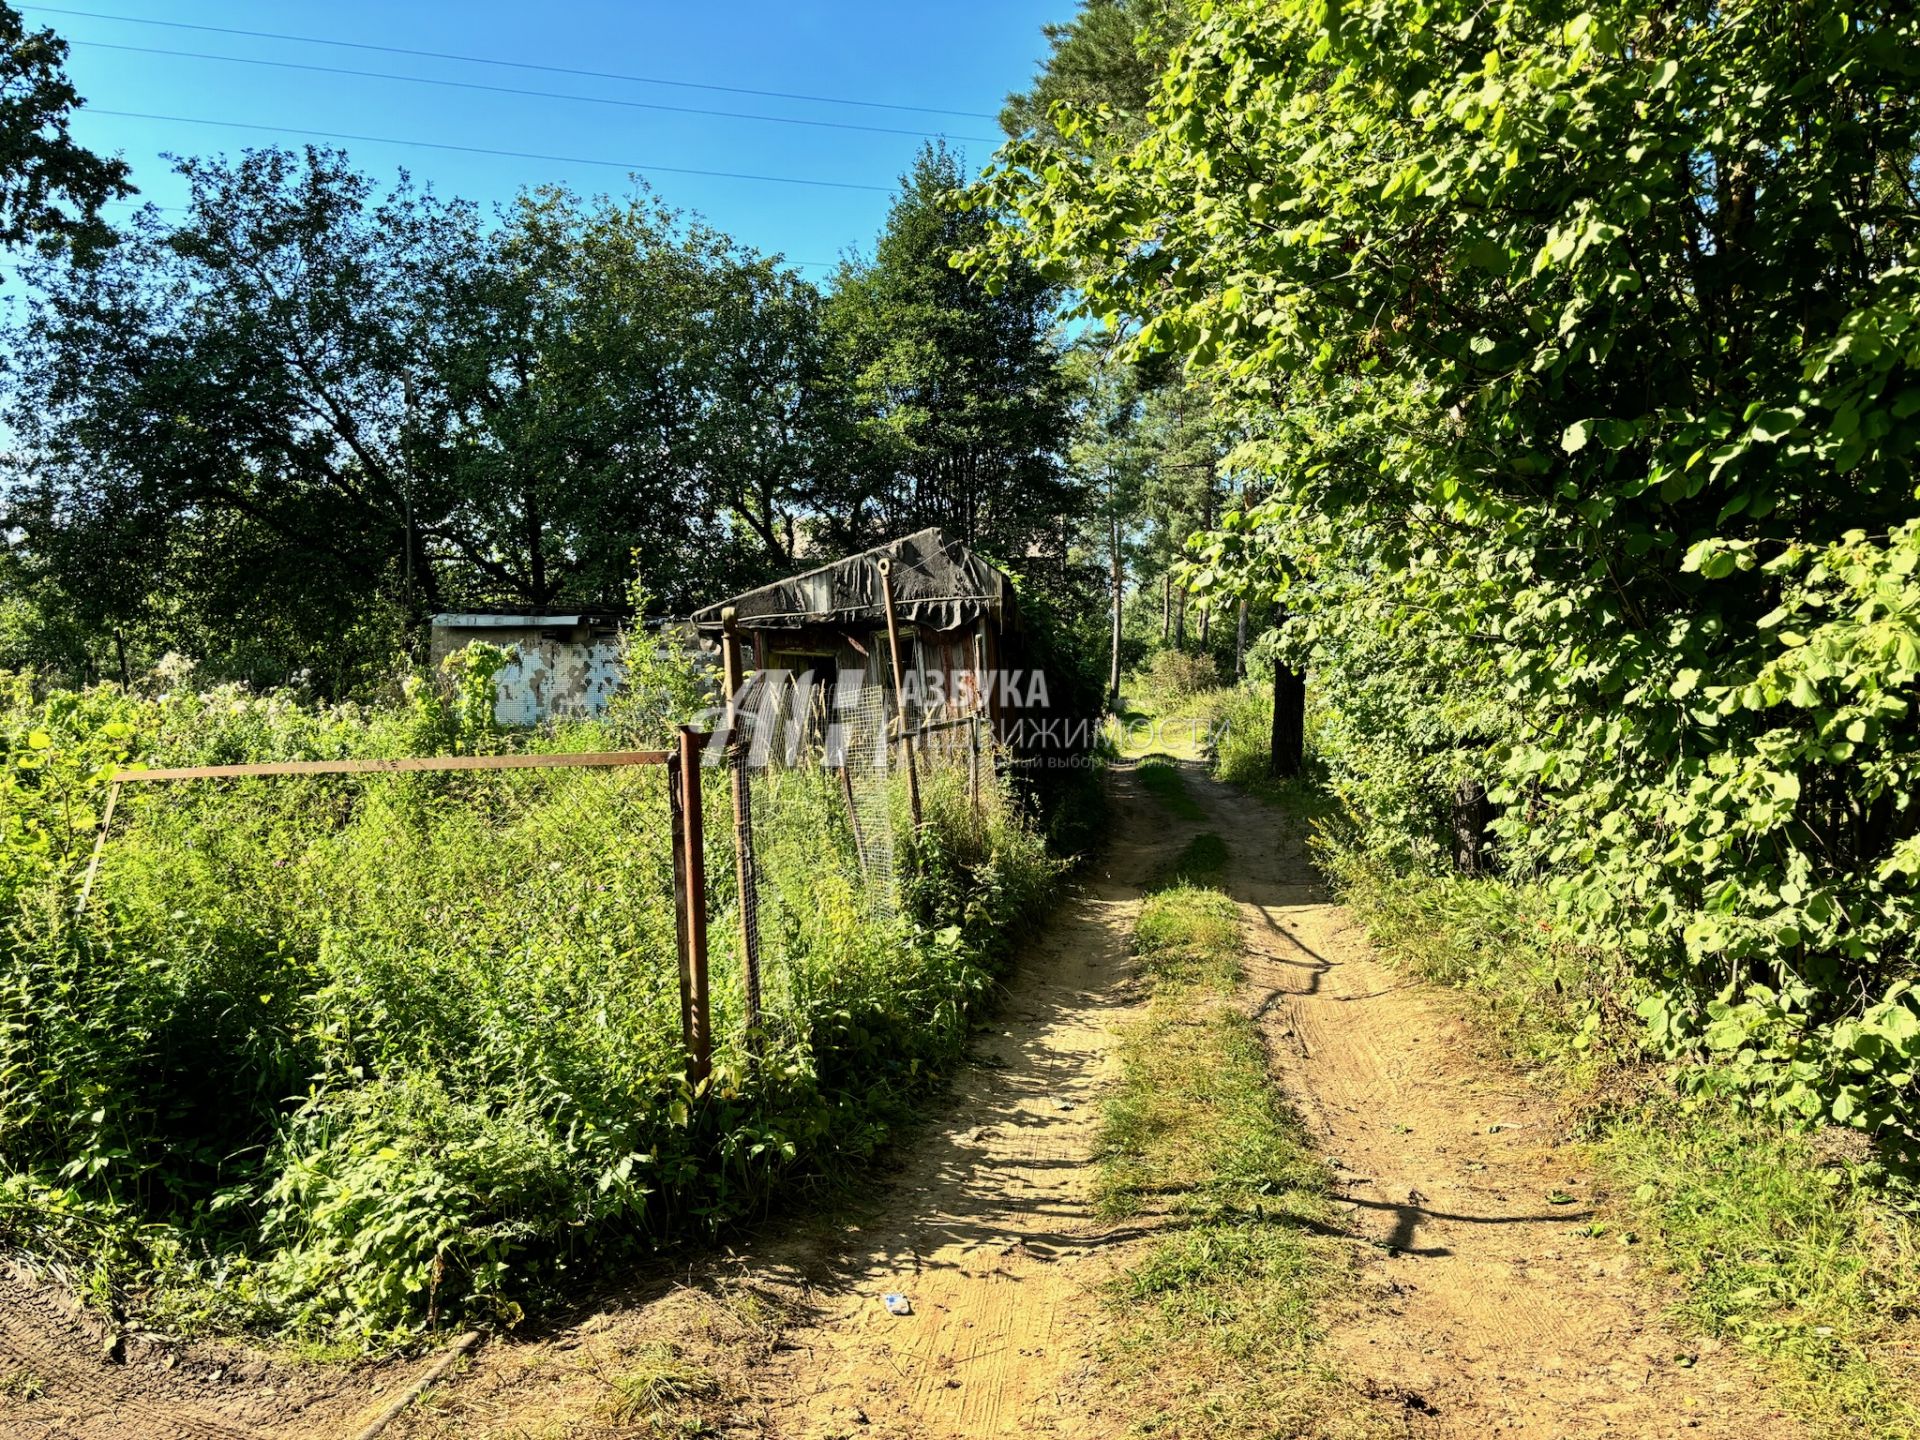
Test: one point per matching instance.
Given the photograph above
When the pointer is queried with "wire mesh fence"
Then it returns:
(508, 901)
(700, 897)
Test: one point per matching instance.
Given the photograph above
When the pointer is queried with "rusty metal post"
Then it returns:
(973, 761)
(746, 875)
(677, 830)
(899, 690)
(853, 814)
(692, 876)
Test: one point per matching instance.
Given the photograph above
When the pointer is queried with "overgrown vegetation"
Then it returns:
(1213, 1328)
(1540, 380)
(1784, 1242)
(1173, 676)
(353, 1057)
(1572, 358)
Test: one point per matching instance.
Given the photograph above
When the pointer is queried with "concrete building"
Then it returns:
(565, 664)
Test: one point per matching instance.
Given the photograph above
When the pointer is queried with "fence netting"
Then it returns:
(513, 901)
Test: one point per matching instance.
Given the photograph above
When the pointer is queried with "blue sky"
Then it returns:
(952, 57)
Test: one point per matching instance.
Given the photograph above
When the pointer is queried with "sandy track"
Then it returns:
(990, 1230)
(1482, 1306)
(65, 1376)
(985, 1224)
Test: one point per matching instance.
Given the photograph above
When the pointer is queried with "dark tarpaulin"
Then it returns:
(937, 582)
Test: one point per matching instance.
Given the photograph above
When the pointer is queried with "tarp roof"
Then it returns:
(937, 582)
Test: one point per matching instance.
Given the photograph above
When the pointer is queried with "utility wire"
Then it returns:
(512, 64)
(511, 90)
(188, 210)
(632, 165)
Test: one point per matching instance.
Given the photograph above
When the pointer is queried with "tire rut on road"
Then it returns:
(1482, 1304)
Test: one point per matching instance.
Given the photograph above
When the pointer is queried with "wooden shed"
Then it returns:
(821, 628)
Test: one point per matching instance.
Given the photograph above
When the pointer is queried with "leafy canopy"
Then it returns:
(1578, 351)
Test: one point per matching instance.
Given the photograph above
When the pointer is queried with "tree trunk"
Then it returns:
(1470, 815)
(1166, 607)
(1119, 590)
(1289, 721)
(1240, 643)
(1180, 622)
(536, 551)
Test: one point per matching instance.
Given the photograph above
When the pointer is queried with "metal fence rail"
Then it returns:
(799, 795)
(684, 808)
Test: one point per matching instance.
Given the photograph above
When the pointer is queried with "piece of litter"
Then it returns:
(897, 1304)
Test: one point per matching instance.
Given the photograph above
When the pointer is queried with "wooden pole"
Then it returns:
(989, 637)
(692, 876)
(899, 690)
(853, 814)
(99, 844)
(746, 875)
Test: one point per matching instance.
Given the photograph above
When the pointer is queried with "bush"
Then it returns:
(1174, 676)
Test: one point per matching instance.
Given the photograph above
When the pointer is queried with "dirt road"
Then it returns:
(986, 1228)
(990, 1232)
(1480, 1306)
(1482, 1303)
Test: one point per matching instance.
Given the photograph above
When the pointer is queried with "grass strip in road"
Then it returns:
(1214, 1326)
(1160, 777)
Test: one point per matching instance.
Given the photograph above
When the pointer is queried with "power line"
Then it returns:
(513, 64)
(188, 210)
(632, 165)
(512, 90)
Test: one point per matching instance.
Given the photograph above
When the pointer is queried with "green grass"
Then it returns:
(1229, 729)
(353, 1058)
(25, 1384)
(1160, 777)
(1202, 862)
(658, 1392)
(1214, 1327)
(1779, 1251)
